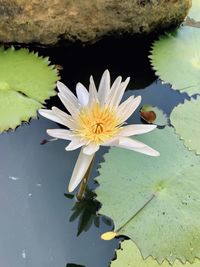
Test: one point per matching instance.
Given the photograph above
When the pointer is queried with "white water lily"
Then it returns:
(97, 119)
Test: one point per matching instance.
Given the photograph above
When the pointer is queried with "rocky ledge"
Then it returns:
(48, 22)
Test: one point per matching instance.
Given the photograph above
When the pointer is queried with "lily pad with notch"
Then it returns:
(185, 119)
(130, 256)
(26, 81)
(154, 201)
(175, 58)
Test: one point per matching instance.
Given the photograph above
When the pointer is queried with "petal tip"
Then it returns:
(48, 131)
(107, 72)
(70, 188)
(127, 80)
(40, 111)
(156, 154)
(138, 99)
(58, 83)
(79, 84)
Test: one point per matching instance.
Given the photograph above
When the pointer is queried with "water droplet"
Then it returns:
(39, 185)
(30, 194)
(23, 254)
(14, 178)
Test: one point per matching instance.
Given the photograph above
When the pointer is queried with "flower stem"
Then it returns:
(138, 211)
(84, 182)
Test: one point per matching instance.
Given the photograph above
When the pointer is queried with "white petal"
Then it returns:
(113, 89)
(69, 122)
(112, 142)
(82, 94)
(147, 151)
(127, 142)
(90, 149)
(49, 114)
(118, 94)
(93, 97)
(116, 84)
(126, 109)
(104, 87)
(134, 129)
(60, 133)
(75, 143)
(137, 146)
(64, 90)
(73, 110)
(61, 113)
(81, 167)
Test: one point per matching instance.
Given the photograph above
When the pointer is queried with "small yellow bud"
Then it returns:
(108, 235)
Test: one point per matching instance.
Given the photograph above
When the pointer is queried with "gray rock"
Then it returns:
(48, 21)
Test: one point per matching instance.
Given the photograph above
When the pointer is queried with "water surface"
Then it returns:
(38, 226)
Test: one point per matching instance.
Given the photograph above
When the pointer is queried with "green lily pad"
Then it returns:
(185, 118)
(153, 115)
(15, 108)
(130, 256)
(194, 12)
(154, 201)
(175, 57)
(26, 81)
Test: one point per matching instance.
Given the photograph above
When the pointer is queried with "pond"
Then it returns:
(41, 224)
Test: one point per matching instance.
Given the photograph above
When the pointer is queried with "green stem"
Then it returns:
(145, 204)
(84, 182)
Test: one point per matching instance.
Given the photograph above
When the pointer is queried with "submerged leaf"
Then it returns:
(153, 115)
(186, 120)
(154, 201)
(129, 256)
(176, 59)
(26, 81)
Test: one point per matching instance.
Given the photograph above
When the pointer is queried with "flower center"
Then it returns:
(98, 128)
(97, 124)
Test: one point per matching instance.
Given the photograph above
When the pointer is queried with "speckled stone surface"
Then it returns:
(48, 22)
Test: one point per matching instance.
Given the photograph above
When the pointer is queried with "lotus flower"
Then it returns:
(97, 119)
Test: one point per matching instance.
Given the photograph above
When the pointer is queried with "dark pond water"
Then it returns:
(40, 225)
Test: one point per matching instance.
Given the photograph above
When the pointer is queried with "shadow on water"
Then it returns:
(85, 212)
(41, 224)
(73, 265)
(122, 56)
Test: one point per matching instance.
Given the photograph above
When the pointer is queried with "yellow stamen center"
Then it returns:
(97, 124)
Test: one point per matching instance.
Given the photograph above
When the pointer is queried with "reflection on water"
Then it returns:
(122, 56)
(85, 212)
